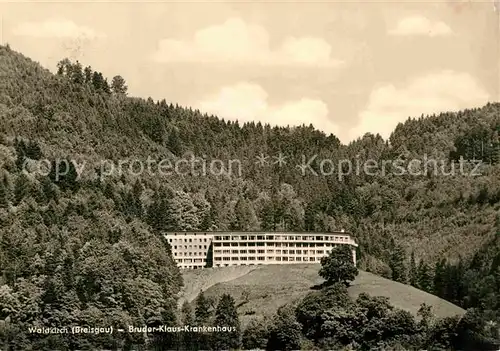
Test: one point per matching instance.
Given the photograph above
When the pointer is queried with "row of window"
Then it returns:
(241, 264)
(291, 252)
(189, 240)
(190, 260)
(262, 238)
(282, 237)
(190, 254)
(190, 247)
(275, 244)
(192, 267)
(270, 258)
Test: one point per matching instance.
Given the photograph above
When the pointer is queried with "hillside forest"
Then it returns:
(86, 247)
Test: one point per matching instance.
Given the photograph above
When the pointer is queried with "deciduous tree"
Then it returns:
(338, 266)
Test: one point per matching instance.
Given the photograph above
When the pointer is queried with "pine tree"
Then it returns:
(63, 67)
(455, 287)
(188, 339)
(20, 147)
(4, 199)
(48, 189)
(137, 208)
(208, 221)
(77, 76)
(118, 85)
(33, 150)
(495, 148)
(202, 310)
(309, 218)
(267, 218)
(243, 216)
(87, 73)
(159, 214)
(397, 264)
(413, 271)
(20, 160)
(109, 191)
(439, 284)
(97, 81)
(105, 86)
(226, 315)
(100, 83)
(174, 143)
(39, 195)
(60, 69)
(424, 277)
(21, 188)
(203, 314)
(63, 173)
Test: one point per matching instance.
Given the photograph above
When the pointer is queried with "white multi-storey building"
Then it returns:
(197, 250)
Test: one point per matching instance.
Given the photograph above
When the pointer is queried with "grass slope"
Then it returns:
(268, 287)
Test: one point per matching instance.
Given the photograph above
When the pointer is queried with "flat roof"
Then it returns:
(254, 232)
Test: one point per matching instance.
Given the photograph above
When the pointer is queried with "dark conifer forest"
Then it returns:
(86, 248)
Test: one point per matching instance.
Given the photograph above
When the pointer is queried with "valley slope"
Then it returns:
(261, 290)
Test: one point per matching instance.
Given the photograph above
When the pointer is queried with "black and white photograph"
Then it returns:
(250, 175)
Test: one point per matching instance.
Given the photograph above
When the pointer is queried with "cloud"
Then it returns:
(419, 25)
(247, 102)
(238, 42)
(55, 28)
(433, 93)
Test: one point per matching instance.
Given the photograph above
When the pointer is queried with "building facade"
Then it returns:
(196, 250)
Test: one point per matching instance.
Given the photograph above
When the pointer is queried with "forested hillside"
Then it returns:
(87, 246)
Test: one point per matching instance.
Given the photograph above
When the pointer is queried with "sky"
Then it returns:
(346, 67)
